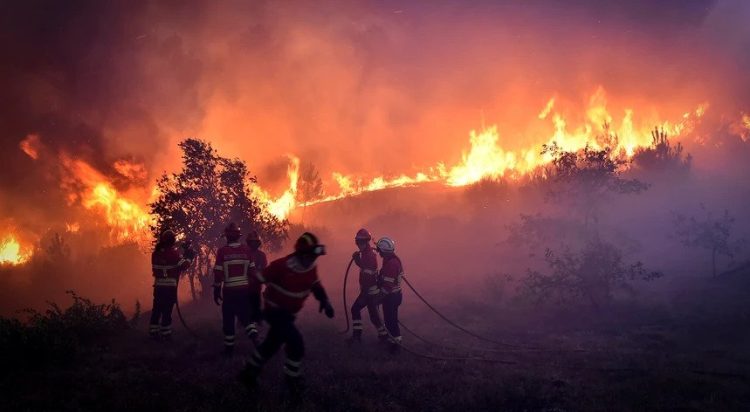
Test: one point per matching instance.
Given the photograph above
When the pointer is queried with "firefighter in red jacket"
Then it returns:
(167, 262)
(234, 263)
(289, 281)
(390, 286)
(260, 260)
(369, 290)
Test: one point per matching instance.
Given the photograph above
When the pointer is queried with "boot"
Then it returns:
(356, 337)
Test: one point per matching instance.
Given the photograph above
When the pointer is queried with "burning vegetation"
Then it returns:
(566, 187)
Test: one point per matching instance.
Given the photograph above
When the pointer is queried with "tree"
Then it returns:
(594, 273)
(708, 233)
(588, 177)
(309, 185)
(662, 155)
(198, 202)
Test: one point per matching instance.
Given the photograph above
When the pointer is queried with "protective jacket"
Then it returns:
(391, 274)
(288, 284)
(234, 263)
(368, 271)
(166, 266)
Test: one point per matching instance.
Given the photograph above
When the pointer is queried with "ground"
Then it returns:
(690, 354)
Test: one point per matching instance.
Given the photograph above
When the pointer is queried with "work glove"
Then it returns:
(217, 295)
(326, 306)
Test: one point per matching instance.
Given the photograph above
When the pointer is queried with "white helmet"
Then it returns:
(386, 244)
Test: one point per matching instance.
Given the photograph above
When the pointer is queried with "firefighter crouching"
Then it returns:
(367, 262)
(167, 262)
(390, 287)
(289, 281)
(233, 264)
(260, 261)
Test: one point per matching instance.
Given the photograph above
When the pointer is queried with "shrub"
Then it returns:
(59, 335)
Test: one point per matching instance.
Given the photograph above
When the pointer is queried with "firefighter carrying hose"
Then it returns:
(390, 289)
(289, 281)
(260, 260)
(167, 262)
(234, 263)
(369, 290)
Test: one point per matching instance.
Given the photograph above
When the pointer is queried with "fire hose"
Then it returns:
(182, 320)
(455, 325)
(346, 307)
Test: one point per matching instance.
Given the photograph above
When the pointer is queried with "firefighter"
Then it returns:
(289, 281)
(365, 259)
(167, 262)
(390, 286)
(260, 260)
(232, 291)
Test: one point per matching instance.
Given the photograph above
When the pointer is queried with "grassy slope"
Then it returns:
(689, 356)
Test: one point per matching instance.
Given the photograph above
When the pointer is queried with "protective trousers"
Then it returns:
(237, 306)
(391, 302)
(282, 331)
(165, 298)
(370, 302)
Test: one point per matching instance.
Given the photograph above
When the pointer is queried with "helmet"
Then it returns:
(252, 239)
(308, 243)
(167, 237)
(386, 244)
(232, 231)
(253, 235)
(363, 234)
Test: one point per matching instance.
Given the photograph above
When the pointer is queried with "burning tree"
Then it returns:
(309, 185)
(708, 233)
(199, 201)
(662, 155)
(588, 177)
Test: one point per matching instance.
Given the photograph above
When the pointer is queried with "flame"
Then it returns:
(487, 159)
(547, 109)
(10, 251)
(31, 146)
(284, 204)
(126, 213)
(125, 217)
(131, 170)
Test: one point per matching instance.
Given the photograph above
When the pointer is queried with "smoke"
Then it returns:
(365, 88)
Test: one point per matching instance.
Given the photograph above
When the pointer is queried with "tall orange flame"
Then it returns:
(11, 251)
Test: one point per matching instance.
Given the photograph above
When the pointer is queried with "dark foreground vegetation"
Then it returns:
(688, 354)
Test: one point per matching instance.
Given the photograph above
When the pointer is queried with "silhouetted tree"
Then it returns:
(662, 155)
(709, 233)
(199, 201)
(594, 273)
(309, 185)
(587, 177)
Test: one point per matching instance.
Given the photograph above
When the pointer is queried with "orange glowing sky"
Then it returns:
(101, 94)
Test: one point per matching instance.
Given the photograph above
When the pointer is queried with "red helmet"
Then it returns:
(308, 243)
(363, 234)
(232, 231)
(168, 237)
